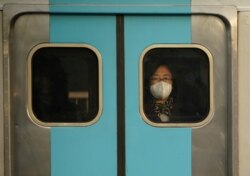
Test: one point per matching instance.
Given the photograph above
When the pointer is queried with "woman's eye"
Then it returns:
(155, 79)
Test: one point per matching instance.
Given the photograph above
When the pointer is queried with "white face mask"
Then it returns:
(161, 90)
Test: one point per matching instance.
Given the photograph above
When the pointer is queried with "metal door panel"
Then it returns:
(90, 150)
(34, 150)
(150, 150)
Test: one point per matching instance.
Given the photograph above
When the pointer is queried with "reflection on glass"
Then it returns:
(65, 84)
(176, 85)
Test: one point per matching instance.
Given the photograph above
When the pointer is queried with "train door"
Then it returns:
(196, 139)
(49, 54)
(140, 136)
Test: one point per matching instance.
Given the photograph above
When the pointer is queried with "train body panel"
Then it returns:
(244, 140)
(1, 108)
(110, 52)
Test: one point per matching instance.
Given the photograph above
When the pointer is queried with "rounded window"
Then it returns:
(64, 84)
(176, 85)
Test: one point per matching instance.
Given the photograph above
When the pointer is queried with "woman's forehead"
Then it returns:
(163, 70)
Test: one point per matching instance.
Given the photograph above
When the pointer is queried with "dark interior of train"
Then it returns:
(65, 84)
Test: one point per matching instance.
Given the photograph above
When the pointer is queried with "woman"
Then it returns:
(158, 95)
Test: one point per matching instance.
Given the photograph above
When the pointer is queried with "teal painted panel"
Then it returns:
(91, 150)
(122, 1)
(151, 150)
(122, 8)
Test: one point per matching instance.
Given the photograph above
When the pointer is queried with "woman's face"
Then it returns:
(162, 73)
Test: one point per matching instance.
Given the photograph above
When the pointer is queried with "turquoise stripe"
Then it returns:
(125, 9)
(150, 150)
(91, 151)
(120, 1)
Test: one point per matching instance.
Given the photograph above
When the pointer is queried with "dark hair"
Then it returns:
(149, 70)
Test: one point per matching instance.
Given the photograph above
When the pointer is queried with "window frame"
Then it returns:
(30, 112)
(208, 118)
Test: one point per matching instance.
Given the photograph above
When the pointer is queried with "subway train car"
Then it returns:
(124, 88)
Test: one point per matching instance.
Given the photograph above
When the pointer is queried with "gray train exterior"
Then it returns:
(240, 83)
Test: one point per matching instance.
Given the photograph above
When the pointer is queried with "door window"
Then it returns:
(65, 86)
(176, 84)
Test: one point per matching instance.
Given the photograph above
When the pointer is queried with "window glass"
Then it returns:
(65, 84)
(176, 85)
